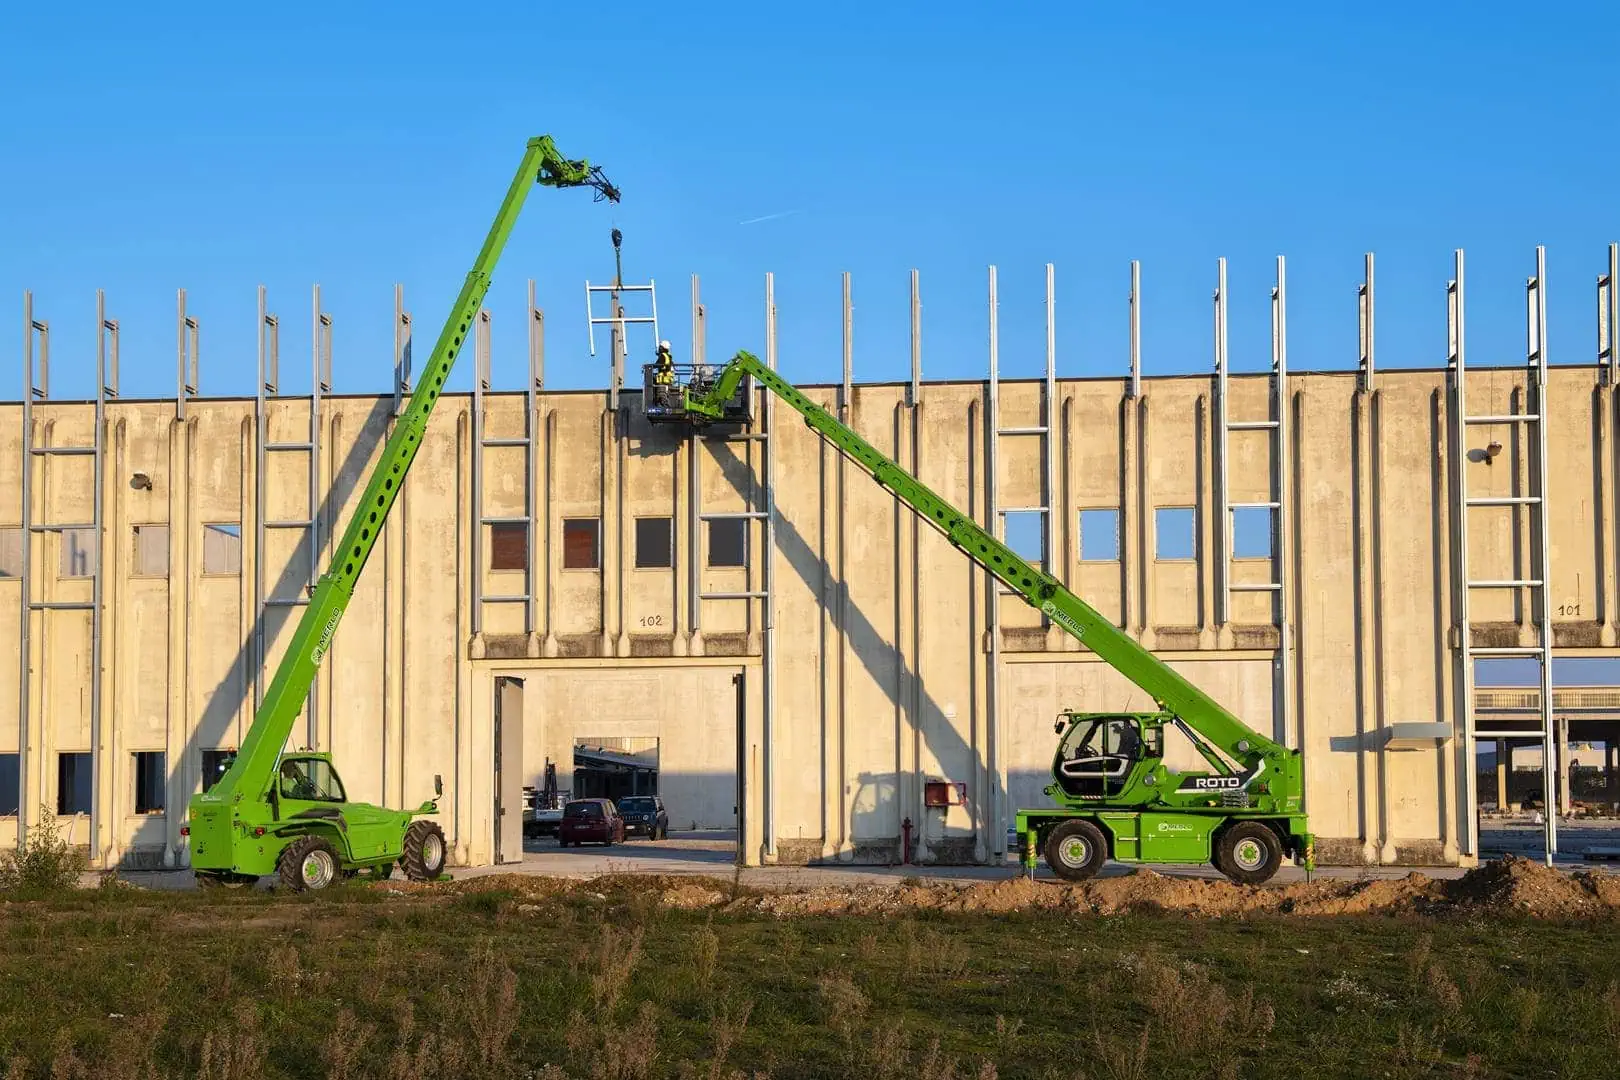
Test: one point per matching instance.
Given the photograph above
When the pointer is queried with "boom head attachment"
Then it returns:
(560, 172)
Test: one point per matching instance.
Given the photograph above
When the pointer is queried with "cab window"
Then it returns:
(311, 780)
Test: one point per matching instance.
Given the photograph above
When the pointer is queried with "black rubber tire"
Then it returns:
(290, 866)
(1248, 853)
(1062, 856)
(425, 851)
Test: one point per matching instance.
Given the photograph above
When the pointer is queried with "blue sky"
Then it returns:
(362, 145)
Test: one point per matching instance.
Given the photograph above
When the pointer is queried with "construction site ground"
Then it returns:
(671, 965)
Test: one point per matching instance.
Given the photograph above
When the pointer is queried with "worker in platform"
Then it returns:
(664, 366)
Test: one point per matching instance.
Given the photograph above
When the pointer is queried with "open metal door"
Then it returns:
(508, 769)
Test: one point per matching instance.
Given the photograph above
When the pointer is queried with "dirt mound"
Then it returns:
(1531, 887)
(1512, 884)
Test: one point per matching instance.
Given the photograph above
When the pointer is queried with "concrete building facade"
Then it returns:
(803, 653)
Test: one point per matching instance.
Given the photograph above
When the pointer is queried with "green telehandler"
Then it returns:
(287, 813)
(1115, 796)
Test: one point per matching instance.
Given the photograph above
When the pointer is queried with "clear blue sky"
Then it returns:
(362, 145)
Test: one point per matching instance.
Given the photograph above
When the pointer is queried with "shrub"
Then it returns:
(45, 863)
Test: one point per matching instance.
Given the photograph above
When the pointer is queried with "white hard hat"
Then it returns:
(663, 344)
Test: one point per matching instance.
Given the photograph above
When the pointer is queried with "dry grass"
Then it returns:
(601, 984)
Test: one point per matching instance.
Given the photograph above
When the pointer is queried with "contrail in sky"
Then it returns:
(769, 217)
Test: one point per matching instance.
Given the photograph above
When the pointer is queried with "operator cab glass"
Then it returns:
(310, 780)
(1097, 755)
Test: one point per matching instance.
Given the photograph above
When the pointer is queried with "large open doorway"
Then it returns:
(1510, 758)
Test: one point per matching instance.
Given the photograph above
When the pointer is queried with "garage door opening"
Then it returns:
(613, 768)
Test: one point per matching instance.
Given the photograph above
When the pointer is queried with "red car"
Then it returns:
(595, 821)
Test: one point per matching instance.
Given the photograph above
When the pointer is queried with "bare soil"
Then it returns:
(1509, 884)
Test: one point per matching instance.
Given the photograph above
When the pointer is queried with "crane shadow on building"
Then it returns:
(889, 670)
(233, 692)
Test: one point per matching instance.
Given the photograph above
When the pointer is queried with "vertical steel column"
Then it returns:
(1223, 529)
(1456, 370)
(768, 601)
(531, 430)
(1282, 472)
(1608, 305)
(320, 384)
(188, 341)
(693, 540)
(998, 829)
(402, 350)
(1133, 389)
(916, 342)
(1552, 772)
(1364, 300)
(480, 384)
(32, 387)
(1048, 435)
(106, 389)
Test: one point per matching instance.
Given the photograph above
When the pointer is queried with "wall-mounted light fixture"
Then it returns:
(1492, 450)
(140, 482)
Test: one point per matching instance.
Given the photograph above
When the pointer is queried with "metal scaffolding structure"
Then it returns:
(268, 449)
(997, 521)
(40, 598)
(1528, 428)
(1275, 504)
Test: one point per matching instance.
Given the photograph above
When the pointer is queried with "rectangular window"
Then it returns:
(1025, 532)
(509, 546)
(151, 555)
(78, 552)
(222, 549)
(150, 780)
(73, 783)
(1099, 535)
(11, 551)
(214, 764)
(1173, 534)
(655, 543)
(10, 785)
(728, 542)
(582, 548)
(1251, 532)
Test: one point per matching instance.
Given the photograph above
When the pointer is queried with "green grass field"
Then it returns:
(604, 980)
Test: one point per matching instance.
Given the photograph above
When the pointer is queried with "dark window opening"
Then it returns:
(150, 777)
(582, 543)
(73, 783)
(214, 764)
(10, 786)
(509, 546)
(655, 543)
(728, 542)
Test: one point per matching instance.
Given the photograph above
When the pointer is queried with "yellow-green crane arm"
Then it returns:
(253, 769)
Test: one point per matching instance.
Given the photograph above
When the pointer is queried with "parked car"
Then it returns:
(644, 814)
(595, 821)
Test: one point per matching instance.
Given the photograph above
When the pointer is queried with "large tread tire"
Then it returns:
(424, 856)
(1248, 853)
(309, 863)
(1076, 850)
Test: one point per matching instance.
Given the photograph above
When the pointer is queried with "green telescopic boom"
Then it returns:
(250, 774)
(1040, 590)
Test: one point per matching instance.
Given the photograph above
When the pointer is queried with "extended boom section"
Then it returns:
(288, 813)
(1116, 798)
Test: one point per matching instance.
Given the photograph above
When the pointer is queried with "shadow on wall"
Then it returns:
(874, 809)
(227, 697)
